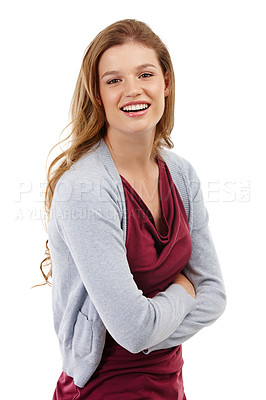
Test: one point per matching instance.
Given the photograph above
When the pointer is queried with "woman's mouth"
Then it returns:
(135, 107)
(135, 110)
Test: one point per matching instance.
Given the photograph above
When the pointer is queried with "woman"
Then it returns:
(135, 273)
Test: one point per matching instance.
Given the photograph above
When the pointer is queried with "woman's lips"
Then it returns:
(135, 110)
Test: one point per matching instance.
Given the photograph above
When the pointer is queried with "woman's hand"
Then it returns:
(187, 285)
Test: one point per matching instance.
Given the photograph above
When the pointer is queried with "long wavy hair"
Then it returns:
(88, 122)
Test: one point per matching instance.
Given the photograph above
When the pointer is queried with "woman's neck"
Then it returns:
(135, 157)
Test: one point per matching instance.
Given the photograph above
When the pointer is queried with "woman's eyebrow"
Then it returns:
(110, 73)
(139, 67)
(143, 66)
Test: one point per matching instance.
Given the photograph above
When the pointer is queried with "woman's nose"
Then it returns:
(132, 87)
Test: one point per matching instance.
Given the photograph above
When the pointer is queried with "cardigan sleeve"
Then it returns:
(203, 270)
(90, 227)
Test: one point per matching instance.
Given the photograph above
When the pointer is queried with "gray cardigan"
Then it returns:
(93, 288)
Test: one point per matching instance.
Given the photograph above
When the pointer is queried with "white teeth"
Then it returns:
(135, 107)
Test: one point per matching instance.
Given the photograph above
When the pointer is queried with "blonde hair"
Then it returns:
(88, 123)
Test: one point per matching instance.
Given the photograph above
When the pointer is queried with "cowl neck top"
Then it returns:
(155, 258)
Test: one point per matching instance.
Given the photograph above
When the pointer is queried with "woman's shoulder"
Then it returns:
(87, 179)
(86, 168)
(179, 165)
(189, 186)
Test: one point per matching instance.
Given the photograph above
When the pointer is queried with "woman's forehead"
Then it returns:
(128, 55)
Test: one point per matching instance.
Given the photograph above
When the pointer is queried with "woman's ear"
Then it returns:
(98, 99)
(166, 81)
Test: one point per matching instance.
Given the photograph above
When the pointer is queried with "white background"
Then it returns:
(218, 51)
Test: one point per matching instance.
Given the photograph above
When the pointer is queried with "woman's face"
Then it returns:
(132, 89)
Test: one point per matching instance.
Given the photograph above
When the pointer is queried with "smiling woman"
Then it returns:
(136, 89)
(135, 272)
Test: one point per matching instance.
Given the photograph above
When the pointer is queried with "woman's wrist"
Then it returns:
(182, 280)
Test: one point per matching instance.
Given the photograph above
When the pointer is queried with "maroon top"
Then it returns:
(155, 259)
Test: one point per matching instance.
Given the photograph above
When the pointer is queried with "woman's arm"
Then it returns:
(203, 271)
(210, 293)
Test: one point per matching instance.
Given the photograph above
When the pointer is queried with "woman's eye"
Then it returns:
(115, 80)
(146, 75)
